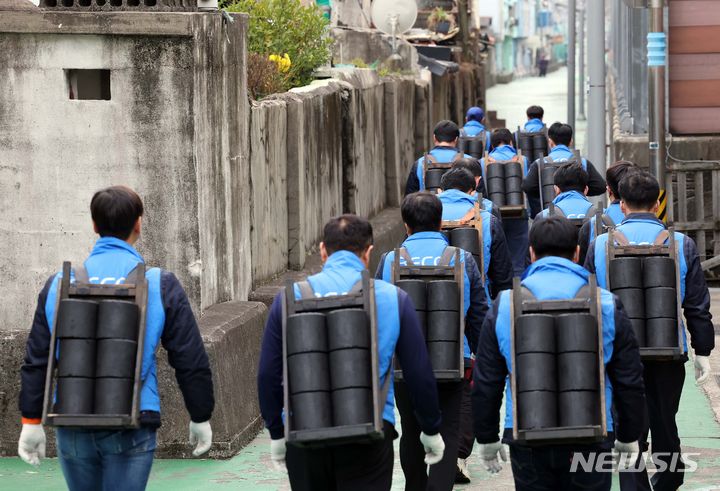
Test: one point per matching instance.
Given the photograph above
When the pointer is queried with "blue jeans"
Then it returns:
(96, 460)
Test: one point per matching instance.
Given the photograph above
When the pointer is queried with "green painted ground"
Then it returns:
(251, 469)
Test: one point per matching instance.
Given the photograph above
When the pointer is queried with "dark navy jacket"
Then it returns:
(554, 278)
(442, 155)
(169, 320)
(398, 333)
(531, 186)
(426, 248)
(498, 267)
(694, 294)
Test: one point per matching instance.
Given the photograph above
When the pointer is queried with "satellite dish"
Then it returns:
(394, 17)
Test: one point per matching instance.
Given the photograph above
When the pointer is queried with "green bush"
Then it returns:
(285, 26)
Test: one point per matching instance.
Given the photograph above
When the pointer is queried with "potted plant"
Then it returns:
(439, 21)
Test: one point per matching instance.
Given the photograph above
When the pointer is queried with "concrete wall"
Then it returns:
(172, 130)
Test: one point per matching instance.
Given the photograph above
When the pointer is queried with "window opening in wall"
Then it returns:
(133, 3)
(84, 3)
(88, 84)
(150, 3)
(116, 3)
(67, 3)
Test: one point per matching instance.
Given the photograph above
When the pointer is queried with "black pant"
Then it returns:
(548, 469)
(412, 453)
(516, 232)
(467, 438)
(663, 387)
(353, 467)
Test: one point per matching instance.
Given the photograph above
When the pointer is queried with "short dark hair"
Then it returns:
(347, 233)
(115, 210)
(571, 177)
(552, 130)
(563, 135)
(501, 136)
(422, 212)
(469, 164)
(535, 112)
(446, 131)
(616, 173)
(554, 236)
(640, 190)
(460, 179)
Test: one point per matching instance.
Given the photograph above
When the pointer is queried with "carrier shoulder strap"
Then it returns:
(404, 254)
(459, 155)
(662, 237)
(81, 275)
(583, 292)
(447, 256)
(620, 238)
(429, 159)
(526, 294)
(591, 212)
(549, 160)
(132, 276)
(555, 210)
(306, 290)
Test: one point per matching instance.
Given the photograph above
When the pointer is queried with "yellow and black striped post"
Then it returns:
(662, 209)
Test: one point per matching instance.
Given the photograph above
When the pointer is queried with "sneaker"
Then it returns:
(462, 475)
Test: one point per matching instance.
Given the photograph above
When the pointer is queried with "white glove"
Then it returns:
(277, 454)
(702, 369)
(200, 434)
(434, 448)
(31, 447)
(626, 454)
(489, 456)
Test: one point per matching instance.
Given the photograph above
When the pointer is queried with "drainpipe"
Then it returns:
(596, 78)
(572, 18)
(657, 61)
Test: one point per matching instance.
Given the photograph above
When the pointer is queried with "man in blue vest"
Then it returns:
(444, 151)
(561, 139)
(555, 275)
(571, 187)
(474, 125)
(612, 215)
(535, 115)
(345, 251)
(663, 379)
(473, 166)
(422, 214)
(99, 459)
(516, 229)
(458, 202)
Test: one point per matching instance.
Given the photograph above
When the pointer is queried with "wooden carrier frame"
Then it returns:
(135, 292)
(335, 435)
(430, 163)
(510, 211)
(669, 250)
(591, 305)
(431, 273)
(475, 222)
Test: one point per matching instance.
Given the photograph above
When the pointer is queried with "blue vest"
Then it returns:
(504, 153)
(339, 274)
(640, 231)
(562, 153)
(573, 204)
(613, 212)
(443, 155)
(554, 278)
(110, 261)
(456, 205)
(533, 125)
(426, 249)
